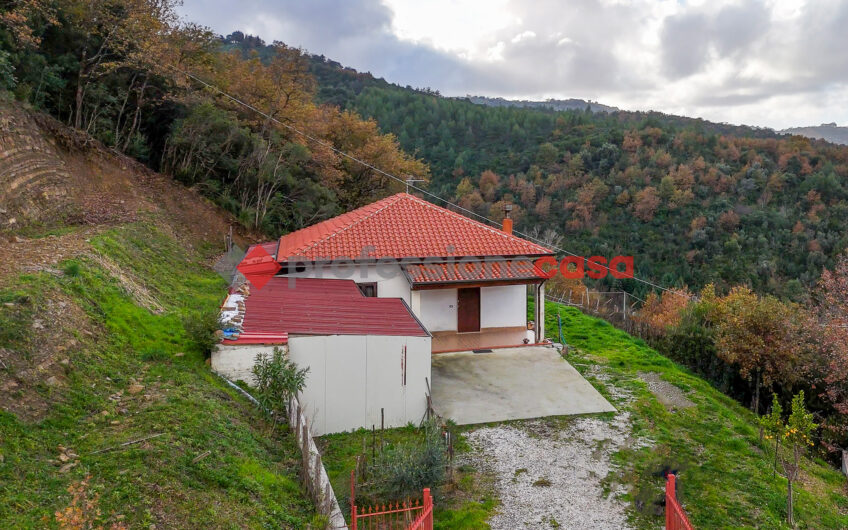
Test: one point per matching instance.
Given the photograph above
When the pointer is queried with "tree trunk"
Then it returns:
(138, 103)
(845, 462)
(789, 508)
(117, 141)
(79, 93)
(756, 404)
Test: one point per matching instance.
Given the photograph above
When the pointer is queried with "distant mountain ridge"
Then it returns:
(826, 131)
(553, 104)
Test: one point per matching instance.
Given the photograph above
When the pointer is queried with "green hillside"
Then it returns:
(725, 471)
(118, 364)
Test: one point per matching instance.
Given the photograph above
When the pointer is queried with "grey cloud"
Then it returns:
(737, 27)
(688, 39)
(685, 44)
(582, 48)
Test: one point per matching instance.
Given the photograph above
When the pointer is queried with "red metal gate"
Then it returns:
(675, 517)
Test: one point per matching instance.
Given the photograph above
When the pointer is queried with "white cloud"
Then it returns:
(763, 62)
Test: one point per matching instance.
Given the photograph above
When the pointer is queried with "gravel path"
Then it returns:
(549, 473)
(667, 394)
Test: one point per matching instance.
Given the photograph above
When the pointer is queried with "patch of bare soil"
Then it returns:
(23, 255)
(32, 376)
(52, 176)
(668, 394)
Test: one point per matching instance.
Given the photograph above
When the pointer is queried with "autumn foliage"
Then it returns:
(661, 312)
(747, 343)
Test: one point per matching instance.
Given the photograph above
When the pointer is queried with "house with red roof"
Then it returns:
(371, 294)
(464, 280)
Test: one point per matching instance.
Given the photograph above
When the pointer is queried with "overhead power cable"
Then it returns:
(405, 182)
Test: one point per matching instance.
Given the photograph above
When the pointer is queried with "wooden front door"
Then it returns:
(468, 309)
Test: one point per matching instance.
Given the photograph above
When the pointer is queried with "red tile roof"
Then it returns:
(314, 306)
(469, 271)
(402, 226)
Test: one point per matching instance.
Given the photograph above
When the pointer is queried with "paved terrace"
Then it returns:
(510, 384)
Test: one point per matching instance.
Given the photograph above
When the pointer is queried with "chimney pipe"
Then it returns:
(507, 222)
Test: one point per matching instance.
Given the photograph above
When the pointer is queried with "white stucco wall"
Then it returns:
(438, 309)
(350, 378)
(236, 362)
(391, 282)
(503, 306)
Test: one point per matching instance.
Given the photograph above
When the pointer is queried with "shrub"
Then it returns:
(402, 471)
(277, 379)
(200, 327)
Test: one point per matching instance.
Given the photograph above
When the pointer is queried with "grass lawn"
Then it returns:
(123, 372)
(724, 472)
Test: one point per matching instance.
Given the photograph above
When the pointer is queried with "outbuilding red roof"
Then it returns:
(470, 271)
(315, 306)
(401, 227)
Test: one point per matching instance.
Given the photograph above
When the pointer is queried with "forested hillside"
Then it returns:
(117, 70)
(694, 202)
(826, 131)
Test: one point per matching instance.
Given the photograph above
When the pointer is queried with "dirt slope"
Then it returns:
(58, 190)
(58, 182)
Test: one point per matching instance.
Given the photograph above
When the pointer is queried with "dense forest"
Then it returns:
(694, 202)
(118, 70)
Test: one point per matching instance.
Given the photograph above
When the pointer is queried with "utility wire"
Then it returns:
(398, 179)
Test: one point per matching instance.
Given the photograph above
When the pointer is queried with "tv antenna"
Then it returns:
(410, 181)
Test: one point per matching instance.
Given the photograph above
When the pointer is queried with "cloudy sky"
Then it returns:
(774, 63)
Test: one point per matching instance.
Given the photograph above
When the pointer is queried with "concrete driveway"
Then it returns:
(510, 384)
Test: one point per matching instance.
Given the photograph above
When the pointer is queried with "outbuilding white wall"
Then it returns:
(236, 362)
(391, 281)
(351, 377)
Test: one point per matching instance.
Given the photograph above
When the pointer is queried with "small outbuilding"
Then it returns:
(368, 358)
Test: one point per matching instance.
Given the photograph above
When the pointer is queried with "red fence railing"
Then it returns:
(675, 517)
(424, 521)
(408, 515)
